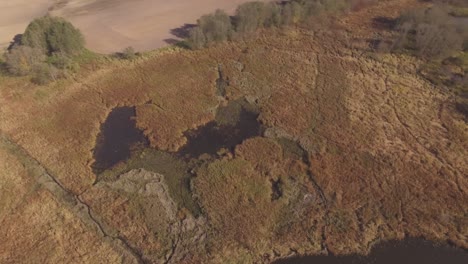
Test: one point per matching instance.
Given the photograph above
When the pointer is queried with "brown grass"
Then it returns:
(387, 150)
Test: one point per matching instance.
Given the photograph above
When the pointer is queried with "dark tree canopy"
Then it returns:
(53, 35)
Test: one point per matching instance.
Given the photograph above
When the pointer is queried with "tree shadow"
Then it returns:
(182, 32)
(15, 42)
(177, 42)
(172, 41)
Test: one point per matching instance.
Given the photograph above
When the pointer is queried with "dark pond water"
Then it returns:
(409, 251)
(234, 123)
(118, 137)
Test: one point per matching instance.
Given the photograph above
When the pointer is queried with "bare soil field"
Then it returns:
(16, 15)
(111, 26)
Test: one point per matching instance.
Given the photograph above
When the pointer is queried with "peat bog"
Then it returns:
(121, 147)
(410, 250)
(118, 137)
(234, 124)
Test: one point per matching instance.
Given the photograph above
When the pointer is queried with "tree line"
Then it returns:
(431, 32)
(250, 16)
(438, 35)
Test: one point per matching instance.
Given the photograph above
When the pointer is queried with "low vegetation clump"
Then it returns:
(252, 16)
(20, 60)
(45, 50)
(128, 53)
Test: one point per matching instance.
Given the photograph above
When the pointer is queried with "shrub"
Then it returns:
(312, 8)
(44, 74)
(430, 32)
(273, 16)
(60, 61)
(334, 6)
(216, 27)
(21, 60)
(128, 53)
(53, 34)
(250, 16)
(197, 39)
(292, 13)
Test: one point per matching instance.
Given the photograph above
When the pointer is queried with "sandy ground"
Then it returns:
(15, 15)
(112, 25)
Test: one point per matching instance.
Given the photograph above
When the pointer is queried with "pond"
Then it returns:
(234, 123)
(411, 251)
(118, 137)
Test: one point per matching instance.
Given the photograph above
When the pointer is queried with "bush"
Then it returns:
(312, 9)
(44, 74)
(334, 6)
(430, 32)
(273, 17)
(292, 13)
(250, 16)
(216, 27)
(21, 60)
(46, 50)
(53, 34)
(197, 39)
(60, 61)
(128, 53)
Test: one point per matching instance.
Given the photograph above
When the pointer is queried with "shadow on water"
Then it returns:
(234, 123)
(411, 251)
(119, 136)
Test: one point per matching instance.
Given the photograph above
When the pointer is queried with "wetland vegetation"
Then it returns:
(292, 130)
